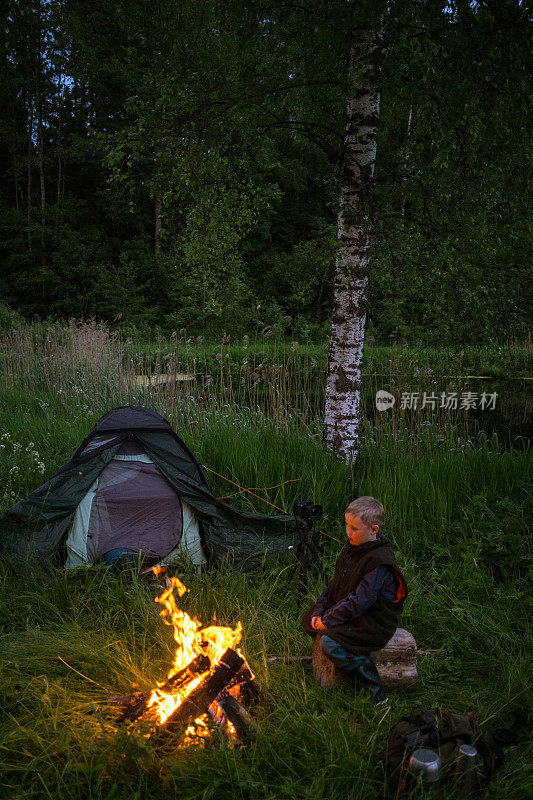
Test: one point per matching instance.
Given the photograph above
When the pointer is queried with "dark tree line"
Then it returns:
(177, 163)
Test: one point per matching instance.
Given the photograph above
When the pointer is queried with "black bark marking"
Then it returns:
(342, 383)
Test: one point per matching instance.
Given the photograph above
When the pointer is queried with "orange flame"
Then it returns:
(191, 640)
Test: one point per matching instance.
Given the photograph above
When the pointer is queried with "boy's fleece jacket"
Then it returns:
(361, 606)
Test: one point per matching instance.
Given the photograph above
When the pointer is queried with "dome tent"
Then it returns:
(133, 485)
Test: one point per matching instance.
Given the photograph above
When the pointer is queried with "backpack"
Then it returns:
(443, 733)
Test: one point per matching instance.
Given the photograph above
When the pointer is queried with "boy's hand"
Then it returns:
(317, 624)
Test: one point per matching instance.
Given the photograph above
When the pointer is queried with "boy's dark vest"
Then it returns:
(375, 627)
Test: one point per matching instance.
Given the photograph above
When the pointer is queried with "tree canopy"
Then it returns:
(177, 163)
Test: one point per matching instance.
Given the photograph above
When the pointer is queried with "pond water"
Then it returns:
(504, 407)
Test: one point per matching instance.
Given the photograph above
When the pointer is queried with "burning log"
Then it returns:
(195, 667)
(199, 700)
(396, 663)
(136, 704)
(248, 688)
(237, 715)
(126, 700)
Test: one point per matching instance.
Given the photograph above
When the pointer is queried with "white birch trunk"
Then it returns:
(342, 426)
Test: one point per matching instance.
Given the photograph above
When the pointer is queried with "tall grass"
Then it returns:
(458, 511)
(93, 367)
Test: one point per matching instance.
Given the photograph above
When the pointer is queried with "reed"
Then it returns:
(95, 368)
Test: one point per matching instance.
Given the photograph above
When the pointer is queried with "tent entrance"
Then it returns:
(132, 507)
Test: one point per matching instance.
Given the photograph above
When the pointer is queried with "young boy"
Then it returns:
(358, 611)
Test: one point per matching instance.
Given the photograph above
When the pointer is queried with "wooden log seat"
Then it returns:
(396, 663)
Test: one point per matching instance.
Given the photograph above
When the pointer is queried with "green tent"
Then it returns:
(133, 487)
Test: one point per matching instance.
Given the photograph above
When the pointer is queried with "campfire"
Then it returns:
(206, 682)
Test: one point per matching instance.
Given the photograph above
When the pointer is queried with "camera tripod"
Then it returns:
(306, 555)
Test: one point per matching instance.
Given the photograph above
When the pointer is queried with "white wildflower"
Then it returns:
(13, 470)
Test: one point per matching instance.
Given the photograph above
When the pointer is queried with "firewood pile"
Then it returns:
(210, 676)
(216, 695)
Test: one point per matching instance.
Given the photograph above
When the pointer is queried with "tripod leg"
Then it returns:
(296, 564)
(302, 577)
(317, 561)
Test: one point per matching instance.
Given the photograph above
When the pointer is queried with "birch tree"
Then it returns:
(342, 428)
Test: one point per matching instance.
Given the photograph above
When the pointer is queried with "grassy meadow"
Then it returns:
(458, 512)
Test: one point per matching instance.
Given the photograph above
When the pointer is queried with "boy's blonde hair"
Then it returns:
(368, 509)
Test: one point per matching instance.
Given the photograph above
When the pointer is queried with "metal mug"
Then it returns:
(426, 762)
(465, 769)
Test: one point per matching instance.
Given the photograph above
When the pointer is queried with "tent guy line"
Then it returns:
(258, 488)
(243, 489)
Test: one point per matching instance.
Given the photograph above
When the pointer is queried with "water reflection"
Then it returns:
(509, 415)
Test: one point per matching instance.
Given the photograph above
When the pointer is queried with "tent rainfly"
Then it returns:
(134, 489)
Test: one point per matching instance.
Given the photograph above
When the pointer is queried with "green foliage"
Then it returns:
(457, 248)
(239, 157)
(298, 278)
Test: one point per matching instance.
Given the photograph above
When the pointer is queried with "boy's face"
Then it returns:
(357, 531)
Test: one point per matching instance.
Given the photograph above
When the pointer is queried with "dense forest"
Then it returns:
(176, 163)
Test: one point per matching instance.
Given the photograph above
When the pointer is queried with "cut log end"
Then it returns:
(396, 663)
